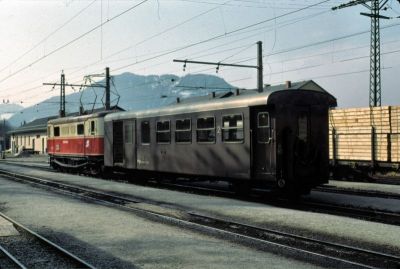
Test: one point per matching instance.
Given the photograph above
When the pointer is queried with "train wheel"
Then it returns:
(289, 191)
(281, 183)
(105, 172)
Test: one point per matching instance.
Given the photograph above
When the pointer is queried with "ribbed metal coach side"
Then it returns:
(253, 158)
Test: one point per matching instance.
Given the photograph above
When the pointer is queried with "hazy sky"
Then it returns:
(41, 38)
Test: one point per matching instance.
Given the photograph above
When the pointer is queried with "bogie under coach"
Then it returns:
(277, 138)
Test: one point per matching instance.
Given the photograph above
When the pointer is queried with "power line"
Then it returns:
(72, 41)
(289, 5)
(375, 7)
(223, 35)
(48, 36)
(289, 22)
(160, 33)
(287, 50)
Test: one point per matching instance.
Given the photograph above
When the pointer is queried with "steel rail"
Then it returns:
(50, 243)
(12, 258)
(358, 192)
(338, 190)
(224, 226)
(307, 239)
(368, 214)
(381, 216)
(327, 189)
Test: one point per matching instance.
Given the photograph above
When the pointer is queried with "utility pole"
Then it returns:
(107, 88)
(62, 96)
(4, 138)
(259, 65)
(260, 82)
(63, 85)
(375, 50)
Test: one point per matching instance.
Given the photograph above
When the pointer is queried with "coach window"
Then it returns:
(163, 132)
(183, 132)
(263, 127)
(302, 133)
(128, 133)
(92, 127)
(232, 128)
(206, 130)
(145, 131)
(57, 131)
(80, 129)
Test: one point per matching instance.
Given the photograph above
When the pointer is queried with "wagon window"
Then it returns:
(232, 128)
(163, 132)
(145, 131)
(128, 133)
(92, 127)
(206, 130)
(183, 132)
(302, 127)
(80, 129)
(263, 130)
(57, 131)
(263, 119)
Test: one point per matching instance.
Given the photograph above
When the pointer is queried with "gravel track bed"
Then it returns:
(322, 226)
(5, 262)
(33, 253)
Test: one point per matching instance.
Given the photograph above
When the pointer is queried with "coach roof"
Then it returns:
(241, 98)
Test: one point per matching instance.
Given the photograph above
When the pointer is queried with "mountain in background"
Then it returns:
(7, 110)
(132, 92)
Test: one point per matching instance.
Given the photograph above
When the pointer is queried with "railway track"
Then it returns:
(309, 249)
(365, 193)
(325, 189)
(260, 197)
(304, 205)
(28, 249)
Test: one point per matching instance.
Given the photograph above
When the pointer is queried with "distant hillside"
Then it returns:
(135, 93)
(7, 110)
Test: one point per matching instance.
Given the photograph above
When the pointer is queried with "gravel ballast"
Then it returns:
(112, 238)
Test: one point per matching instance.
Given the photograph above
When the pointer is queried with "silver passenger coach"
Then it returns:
(277, 137)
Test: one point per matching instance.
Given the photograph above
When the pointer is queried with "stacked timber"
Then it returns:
(365, 134)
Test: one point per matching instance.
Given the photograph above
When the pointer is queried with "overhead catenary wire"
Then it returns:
(180, 24)
(312, 44)
(222, 35)
(48, 36)
(71, 41)
(289, 22)
(303, 18)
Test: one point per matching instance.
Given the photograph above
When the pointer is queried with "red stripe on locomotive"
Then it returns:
(80, 146)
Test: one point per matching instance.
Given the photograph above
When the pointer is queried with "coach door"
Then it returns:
(263, 144)
(118, 142)
(130, 144)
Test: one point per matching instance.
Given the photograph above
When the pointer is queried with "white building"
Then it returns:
(30, 136)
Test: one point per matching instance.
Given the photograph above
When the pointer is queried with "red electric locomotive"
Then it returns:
(77, 142)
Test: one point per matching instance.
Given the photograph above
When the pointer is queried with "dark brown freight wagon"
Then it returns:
(277, 137)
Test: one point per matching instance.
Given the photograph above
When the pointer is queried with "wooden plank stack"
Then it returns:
(365, 134)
